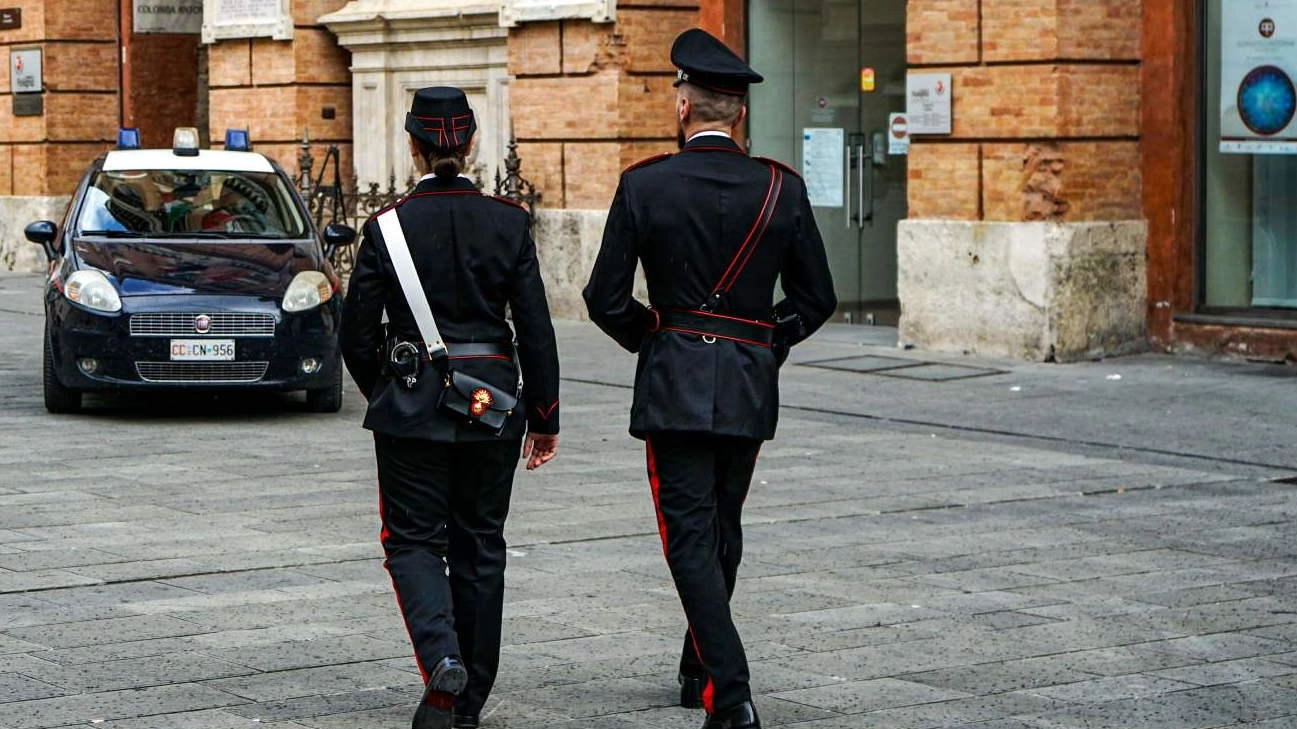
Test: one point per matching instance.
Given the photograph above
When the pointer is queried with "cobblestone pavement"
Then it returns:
(1034, 547)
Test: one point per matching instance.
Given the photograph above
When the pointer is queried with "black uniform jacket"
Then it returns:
(684, 216)
(475, 256)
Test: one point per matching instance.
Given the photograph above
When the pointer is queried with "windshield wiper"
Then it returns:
(117, 233)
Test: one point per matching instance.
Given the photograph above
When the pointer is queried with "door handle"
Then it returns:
(846, 183)
(863, 164)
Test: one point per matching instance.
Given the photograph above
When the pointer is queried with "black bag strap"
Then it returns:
(744, 254)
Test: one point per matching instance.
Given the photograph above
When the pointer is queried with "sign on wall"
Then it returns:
(25, 71)
(822, 165)
(168, 16)
(1258, 64)
(514, 12)
(224, 19)
(927, 103)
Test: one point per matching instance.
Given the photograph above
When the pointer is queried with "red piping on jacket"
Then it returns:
(715, 336)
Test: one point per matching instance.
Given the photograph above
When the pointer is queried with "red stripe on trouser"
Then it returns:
(709, 690)
(382, 538)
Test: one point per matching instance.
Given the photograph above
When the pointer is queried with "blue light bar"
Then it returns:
(128, 138)
(237, 140)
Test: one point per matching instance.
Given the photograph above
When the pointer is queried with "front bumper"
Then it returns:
(127, 360)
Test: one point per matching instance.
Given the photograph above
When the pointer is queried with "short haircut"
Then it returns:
(711, 107)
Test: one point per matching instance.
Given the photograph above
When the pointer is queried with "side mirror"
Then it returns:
(337, 235)
(43, 233)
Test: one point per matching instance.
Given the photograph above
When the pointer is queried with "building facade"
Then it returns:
(1048, 179)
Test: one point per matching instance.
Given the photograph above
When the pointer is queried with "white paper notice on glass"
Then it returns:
(822, 160)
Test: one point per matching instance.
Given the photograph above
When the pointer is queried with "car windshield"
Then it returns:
(190, 203)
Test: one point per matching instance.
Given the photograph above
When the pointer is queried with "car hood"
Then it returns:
(150, 267)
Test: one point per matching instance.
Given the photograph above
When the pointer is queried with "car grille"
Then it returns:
(181, 324)
(201, 371)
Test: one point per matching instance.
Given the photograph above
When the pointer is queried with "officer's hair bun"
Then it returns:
(448, 167)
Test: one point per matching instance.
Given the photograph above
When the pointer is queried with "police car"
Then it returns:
(189, 268)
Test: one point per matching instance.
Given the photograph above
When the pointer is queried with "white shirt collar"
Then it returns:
(710, 133)
(433, 176)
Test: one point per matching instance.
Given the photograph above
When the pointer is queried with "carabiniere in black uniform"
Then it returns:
(445, 483)
(714, 229)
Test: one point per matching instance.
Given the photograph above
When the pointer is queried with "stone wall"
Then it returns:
(567, 242)
(1063, 71)
(590, 99)
(1040, 291)
(16, 252)
(45, 155)
(280, 90)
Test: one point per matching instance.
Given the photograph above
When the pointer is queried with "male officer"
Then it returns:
(714, 230)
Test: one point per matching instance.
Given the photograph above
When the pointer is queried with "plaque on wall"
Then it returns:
(224, 19)
(513, 12)
(29, 104)
(11, 18)
(168, 16)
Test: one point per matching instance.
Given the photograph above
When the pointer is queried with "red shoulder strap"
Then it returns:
(755, 234)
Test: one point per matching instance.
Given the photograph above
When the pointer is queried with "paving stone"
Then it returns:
(1132, 686)
(292, 684)
(1211, 674)
(1035, 578)
(111, 630)
(15, 687)
(86, 708)
(861, 696)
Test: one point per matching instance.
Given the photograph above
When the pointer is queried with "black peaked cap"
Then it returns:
(703, 60)
(440, 116)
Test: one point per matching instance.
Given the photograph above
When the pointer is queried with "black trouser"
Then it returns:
(699, 485)
(444, 504)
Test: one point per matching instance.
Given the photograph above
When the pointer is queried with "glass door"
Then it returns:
(835, 72)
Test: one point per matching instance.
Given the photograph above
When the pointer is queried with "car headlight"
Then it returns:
(308, 290)
(93, 290)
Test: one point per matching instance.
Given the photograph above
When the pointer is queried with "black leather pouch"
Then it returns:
(477, 402)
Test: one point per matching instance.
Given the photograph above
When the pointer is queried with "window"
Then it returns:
(1250, 158)
(180, 203)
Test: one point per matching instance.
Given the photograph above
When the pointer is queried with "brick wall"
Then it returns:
(1046, 110)
(45, 155)
(280, 90)
(589, 99)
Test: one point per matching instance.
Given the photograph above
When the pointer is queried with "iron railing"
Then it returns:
(333, 202)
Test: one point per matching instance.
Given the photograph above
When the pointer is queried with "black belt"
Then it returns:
(462, 350)
(715, 326)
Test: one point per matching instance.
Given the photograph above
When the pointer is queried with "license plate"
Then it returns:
(202, 350)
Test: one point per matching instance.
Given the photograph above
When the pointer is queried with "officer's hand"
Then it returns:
(539, 450)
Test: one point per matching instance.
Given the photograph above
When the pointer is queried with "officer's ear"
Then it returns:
(684, 107)
(743, 115)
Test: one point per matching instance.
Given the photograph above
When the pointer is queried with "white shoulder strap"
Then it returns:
(390, 226)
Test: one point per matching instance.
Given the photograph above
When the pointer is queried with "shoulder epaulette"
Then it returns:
(507, 201)
(391, 206)
(648, 161)
(778, 164)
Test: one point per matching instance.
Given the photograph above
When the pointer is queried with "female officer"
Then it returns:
(447, 416)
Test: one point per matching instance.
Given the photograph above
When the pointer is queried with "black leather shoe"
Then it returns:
(449, 677)
(691, 691)
(743, 716)
(466, 722)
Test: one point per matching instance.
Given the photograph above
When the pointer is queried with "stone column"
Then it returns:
(398, 46)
